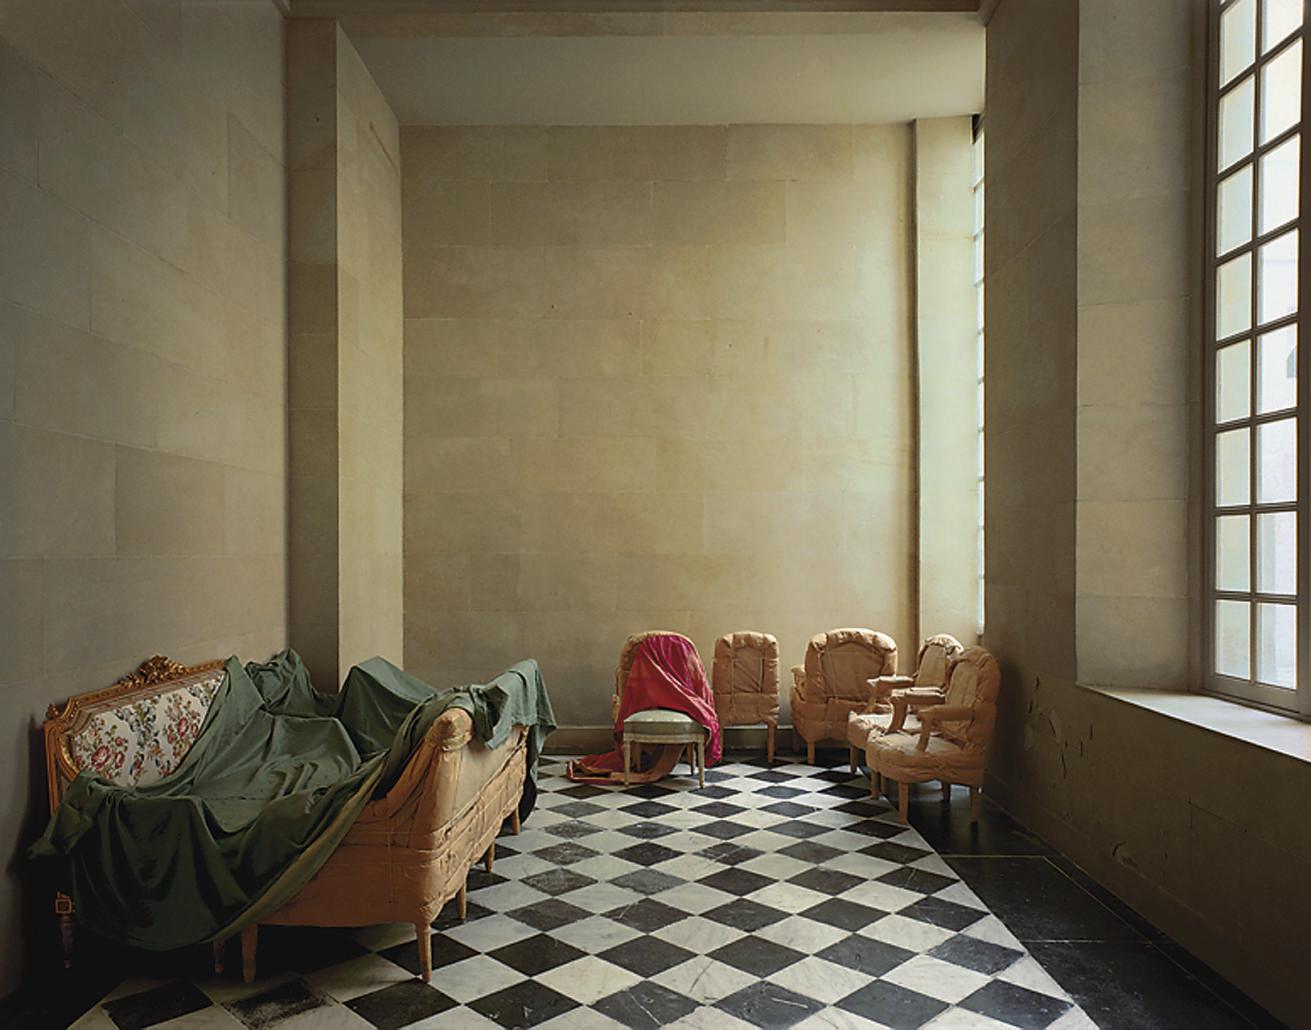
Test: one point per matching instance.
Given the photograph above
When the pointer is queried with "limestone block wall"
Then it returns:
(654, 377)
(142, 367)
(345, 345)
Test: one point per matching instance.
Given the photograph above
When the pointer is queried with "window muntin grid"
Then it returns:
(1256, 427)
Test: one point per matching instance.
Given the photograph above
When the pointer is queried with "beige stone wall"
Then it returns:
(142, 366)
(346, 396)
(654, 377)
(1092, 358)
(369, 389)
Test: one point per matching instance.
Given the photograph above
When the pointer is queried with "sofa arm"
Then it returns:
(881, 688)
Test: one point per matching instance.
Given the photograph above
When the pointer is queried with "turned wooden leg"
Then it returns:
(515, 824)
(701, 763)
(423, 933)
(810, 752)
(64, 914)
(769, 746)
(462, 901)
(851, 753)
(628, 758)
(873, 784)
(903, 801)
(249, 939)
(490, 857)
(974, 803)
(946, 791)
(218, 946)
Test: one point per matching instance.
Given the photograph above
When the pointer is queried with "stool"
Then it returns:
(661, 726)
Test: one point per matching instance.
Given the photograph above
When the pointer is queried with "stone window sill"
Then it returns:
(1283, 734)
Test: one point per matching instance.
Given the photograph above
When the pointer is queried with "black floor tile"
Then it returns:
(450, 914)
(549, 914)
(847, 915)
(736, 881)
(156, 1005)
(921, 880)
(826, 881)
(537, 954)
(946, 914)
(723, 829)
(566, 854)
(729, 853)
(1038, 902)
(647, 881)
(292, 998)
(579, 809)
(891, 1005)
(572, 829)
(780, 791)
(646, 1006)
(757, 956)
(810, 851)
(1124, 985)
(719, 809)
(869, 956)
(400, 1004)
(648, 830)
(647, 915)
(523, 1005)
(648, 809)
(745, 914)
(764, 1004)
(892, 852)
(648, 853)
(1015, 1005)
(972, 953)
(445, 951)
(646, 956)
(558, 881)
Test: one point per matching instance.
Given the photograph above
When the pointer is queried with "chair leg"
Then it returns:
(769, 747)
(423, 934)
(851, 753)
(462, 901)
(490, 857)
(903, 801)
(974, 803)
(249, 940)
(946, 791)
(701, 762)
(515, 824)
(217, 944)
(628, 758)
(810, 752)
(64, 916)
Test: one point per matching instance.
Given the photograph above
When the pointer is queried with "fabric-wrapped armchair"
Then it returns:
(931, 664)
(834, 681)
(956, 726)
(745, 680)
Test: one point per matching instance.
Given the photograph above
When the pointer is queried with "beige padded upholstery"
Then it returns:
(935, 654)
(956, 726)
(745, 682)
(834, 681)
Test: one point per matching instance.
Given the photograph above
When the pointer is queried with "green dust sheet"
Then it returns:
(276, 777)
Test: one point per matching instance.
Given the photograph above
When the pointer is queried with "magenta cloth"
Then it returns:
(666, 673)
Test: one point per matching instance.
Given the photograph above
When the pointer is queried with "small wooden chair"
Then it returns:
(656, 725)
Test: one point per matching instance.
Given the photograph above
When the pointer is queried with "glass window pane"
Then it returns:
(1279, 178)
(1233, 204)
(1233, 296)
(1276, 553)
(1233, 382)
(1281, 92)
(1276, 369)
(1236, 122)
(1237, 39)
(1233, 638)
(1276, 461)
(1276, 653)
(1233, 483)
(1277, 276)
(1279, 19)
(1233, 550)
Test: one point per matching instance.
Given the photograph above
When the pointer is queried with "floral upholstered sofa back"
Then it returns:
(136, 732)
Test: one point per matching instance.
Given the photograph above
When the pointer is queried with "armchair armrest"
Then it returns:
(881, 687)
(930, 717)
(912, 697)
(798, 675)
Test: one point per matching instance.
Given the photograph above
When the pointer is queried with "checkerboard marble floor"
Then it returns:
(773, 897)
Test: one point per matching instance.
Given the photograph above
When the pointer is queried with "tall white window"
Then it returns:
(978, 291)
(1257, 403)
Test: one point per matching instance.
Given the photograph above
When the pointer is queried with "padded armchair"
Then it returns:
(745, 680)
(834, 681)
(935, 654)
(955, 727)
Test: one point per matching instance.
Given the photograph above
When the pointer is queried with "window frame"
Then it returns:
(978, 197)
(1297, 701)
